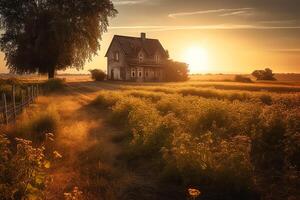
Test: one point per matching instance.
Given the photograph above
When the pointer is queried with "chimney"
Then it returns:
(143, 36)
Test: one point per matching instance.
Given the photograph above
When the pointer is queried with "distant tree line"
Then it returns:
(266, 74)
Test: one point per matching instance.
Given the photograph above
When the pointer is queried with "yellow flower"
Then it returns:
(57, 155)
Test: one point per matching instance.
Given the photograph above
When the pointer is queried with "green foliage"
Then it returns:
(52, 35)
(53, 85)
(175, 71)
(98, 74)
(21, 170)
(266, 74)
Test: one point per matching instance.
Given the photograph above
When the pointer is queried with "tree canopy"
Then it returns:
(266, 74)
(176, 71)
(47, 35)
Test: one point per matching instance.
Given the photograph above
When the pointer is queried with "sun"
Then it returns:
(197, 58)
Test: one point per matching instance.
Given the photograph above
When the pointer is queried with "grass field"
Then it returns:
(156, 140)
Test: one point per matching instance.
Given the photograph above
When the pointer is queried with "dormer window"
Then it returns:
(141, 57)
(116, 56)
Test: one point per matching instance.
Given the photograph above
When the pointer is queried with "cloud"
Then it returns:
(222, 12)
(207, 27)
(128, 2)
(285, 50)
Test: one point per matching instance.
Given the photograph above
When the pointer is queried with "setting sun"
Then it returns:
(197, 58)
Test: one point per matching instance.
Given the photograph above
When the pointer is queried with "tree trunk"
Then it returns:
(51, 73)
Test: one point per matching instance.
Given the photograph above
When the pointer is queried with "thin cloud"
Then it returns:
(285, 50)
(222, 12)
(208, 27)
(128, 2)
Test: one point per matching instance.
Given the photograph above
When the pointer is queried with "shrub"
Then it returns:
(266, 74)
(98, 74)
(108, 99)
(243, 79)
(53, 85)
(266, 99)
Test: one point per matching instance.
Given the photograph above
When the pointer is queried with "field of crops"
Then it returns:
(230, 141)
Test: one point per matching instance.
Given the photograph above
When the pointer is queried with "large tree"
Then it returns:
(48, 35)
(175, 71)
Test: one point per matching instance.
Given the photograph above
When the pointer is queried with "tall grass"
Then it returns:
(53, 85)
(229, 149)
(37, 126)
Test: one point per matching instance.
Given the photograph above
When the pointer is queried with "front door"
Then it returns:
(140, 77)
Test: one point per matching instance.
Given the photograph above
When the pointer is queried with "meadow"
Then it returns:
(230, 141)
(117, 140)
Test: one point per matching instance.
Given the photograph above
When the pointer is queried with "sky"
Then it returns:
(215, 36)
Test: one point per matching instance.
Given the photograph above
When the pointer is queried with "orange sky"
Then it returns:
(237, 36)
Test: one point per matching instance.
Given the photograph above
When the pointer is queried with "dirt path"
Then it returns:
(85, 142)
(91, 150)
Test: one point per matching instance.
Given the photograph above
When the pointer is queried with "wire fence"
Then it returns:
(11, 105)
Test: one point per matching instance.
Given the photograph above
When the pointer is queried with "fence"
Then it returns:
(9, 110)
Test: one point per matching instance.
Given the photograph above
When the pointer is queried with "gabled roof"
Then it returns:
(131, 46)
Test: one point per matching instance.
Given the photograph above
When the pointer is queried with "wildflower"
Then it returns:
(57, 155)
(194, 193)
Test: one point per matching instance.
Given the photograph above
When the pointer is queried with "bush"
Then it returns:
(243, 79)
(98, 74)
(53, 85)
(266, 75)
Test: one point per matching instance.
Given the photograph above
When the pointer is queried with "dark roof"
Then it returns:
(133, 45)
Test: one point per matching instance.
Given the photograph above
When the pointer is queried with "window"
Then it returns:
(141, 57)
(146, 73)
(140, 72)
(157, 58)
(132, 73)
(116, 56)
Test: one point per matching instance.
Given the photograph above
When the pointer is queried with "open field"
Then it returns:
(155, 140)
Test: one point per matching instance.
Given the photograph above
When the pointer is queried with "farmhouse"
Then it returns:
(135, 59)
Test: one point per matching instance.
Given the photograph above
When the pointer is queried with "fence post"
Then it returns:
(32, 94)
(5, 109)
(28, 96)
(22, 100)
(14, 102)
